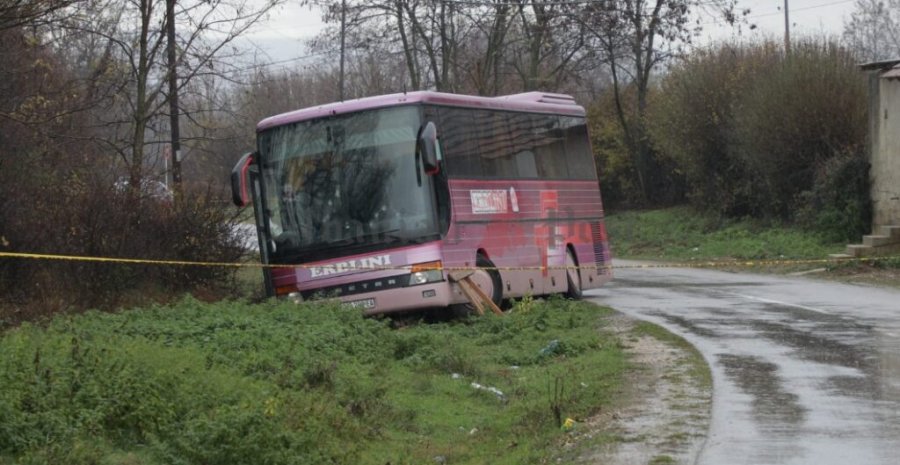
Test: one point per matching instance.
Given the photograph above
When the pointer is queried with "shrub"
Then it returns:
(751, 128)
(615, 160)
(58, 196)
(839, 205)
(81, 216)
(803, 111)
(692, 124)
(615, 167)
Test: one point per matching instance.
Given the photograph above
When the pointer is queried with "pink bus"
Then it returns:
(374, 201)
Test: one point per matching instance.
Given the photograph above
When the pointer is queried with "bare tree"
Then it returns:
(427, 33)
(463, 46)
(549, 45)
(634, 38)
(873, 30)
(135, 62)
(16, 13)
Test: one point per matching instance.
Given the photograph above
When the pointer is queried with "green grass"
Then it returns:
(233, 383)
(662, 460)
(681, 233)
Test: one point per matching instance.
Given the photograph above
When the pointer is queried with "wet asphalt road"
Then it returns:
(804, 371)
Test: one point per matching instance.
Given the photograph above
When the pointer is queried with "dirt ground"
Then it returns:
(666, 416)
(865, 274)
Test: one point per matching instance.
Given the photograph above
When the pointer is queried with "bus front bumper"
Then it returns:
(436, 294)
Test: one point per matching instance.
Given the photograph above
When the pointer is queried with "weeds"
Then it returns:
(683, 234)
(281, 383)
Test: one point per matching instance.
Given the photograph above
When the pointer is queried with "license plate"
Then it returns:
(364, 304)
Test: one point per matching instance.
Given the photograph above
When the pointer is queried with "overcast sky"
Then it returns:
(281, 36)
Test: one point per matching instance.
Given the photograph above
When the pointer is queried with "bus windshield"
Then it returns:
(346, 182)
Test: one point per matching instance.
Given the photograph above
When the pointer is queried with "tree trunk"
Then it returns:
(411, 64)
(141, 104)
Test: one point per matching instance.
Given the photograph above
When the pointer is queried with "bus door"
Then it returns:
(246, 188)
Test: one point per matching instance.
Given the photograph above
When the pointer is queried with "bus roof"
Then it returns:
(535, 102)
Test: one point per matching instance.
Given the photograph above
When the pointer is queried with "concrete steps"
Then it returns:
(877, 241)
(885, 243)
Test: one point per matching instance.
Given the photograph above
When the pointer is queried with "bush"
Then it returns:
(839, 205)
(73, 216)
(58, 196)
(616, 167)
(751, 128)
(802, 112)
(692, 124)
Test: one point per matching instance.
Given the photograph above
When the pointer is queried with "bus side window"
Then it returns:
(459, 137)
(525, 166)
(578, 149)
(550, 149)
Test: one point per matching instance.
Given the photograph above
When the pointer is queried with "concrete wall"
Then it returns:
(885, 151)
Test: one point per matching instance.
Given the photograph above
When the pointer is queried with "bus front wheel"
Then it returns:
(487, 277)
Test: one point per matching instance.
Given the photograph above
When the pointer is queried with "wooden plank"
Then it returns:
(485, 298)
(466, 286)
(457, 276)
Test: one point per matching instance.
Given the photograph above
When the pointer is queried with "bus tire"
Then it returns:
(573, 277)
(492, 275)
(496, 294)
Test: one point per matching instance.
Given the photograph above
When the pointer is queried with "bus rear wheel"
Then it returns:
(573, 277)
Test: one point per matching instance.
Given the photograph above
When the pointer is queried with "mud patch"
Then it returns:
(667, 413)
(773, 406)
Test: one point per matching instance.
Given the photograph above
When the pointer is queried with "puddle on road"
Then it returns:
(862, 387)
(814, 347)
(875, 366)
(691, 326)
(772, 406)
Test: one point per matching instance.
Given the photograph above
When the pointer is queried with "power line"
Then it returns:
(279, 62)
(779, 13)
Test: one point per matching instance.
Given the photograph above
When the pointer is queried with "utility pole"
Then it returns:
(343, 40)
(787, 29)
(173, 97)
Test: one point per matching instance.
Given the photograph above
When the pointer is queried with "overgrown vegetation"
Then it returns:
(98, 220)
(65, 182)
(755, 133)
(316, 383)
(682, 233)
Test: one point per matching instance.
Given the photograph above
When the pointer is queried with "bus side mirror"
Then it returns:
(240, 180)
(426, 146)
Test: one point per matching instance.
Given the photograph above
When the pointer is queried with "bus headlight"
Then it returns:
(425, 273)
(295, 297)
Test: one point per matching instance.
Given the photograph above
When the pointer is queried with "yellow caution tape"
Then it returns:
(693, 264)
